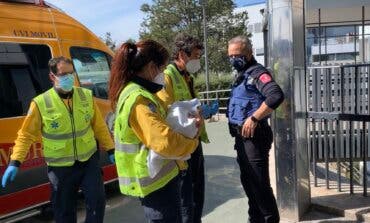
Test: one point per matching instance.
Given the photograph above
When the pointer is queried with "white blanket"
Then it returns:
(179, 120)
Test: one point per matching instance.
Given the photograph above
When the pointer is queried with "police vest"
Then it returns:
(66, 136)
(130, 154)
(245, 98)
(181, 92)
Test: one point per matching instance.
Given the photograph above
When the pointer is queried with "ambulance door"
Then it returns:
(23, 75)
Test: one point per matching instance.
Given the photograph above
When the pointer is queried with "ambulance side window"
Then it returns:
(23, 75)
(93, 69)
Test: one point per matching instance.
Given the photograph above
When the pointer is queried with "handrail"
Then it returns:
(214, 91)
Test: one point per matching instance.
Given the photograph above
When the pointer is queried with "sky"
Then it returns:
(122, 18)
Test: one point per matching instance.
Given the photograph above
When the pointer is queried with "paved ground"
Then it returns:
(225, 198)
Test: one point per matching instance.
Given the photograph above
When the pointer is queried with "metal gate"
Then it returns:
(338, 119)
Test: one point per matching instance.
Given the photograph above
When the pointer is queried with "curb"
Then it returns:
(353, 215)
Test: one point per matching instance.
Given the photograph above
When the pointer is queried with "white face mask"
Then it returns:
(192, 66)
(159, 79)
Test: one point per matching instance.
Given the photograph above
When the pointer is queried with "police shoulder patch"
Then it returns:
(152, 107)
(265, 78)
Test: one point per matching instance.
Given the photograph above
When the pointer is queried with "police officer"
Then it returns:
(69, 123)
(254, 96)
(140, 126)
(179, 86)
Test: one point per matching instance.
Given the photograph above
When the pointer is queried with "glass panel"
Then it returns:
(92, 67)
(309, 43)
(340, 31)
(345, 57)
(367, 48)
(342, 48)
(366, 28)
(23, 75)
(313, 50)
(312, 32)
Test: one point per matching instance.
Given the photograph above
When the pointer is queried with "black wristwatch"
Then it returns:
(254, 119)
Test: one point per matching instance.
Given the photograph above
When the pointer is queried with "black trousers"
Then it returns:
(187, 201)
(196, 167)
(252, 156)
(65, 183)
(164, 205)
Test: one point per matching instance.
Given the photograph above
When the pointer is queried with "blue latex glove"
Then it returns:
(205, 111)
(112, 159)
(10, 172)
(214, 107)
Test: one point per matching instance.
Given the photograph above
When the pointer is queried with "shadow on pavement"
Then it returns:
(222, 182)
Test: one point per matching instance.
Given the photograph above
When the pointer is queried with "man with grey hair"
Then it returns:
(254, 95)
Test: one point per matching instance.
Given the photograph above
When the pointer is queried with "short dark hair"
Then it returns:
(186, 43)
(53, 63)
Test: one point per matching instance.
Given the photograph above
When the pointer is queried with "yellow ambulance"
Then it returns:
(31, 32)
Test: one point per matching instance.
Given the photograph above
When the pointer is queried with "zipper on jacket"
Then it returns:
(70, 112)
(73, 128)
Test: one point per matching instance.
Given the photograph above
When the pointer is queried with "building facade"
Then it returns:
(254, 26)
(337, 35)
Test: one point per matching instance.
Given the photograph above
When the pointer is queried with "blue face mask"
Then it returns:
(65, 82)
(238, 62)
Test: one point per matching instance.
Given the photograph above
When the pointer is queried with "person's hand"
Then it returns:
(9, 173)
(198, 121)
(248, 128)
(112, 159)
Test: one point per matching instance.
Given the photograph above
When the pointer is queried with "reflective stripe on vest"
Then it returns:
(147, 181)
(70, 158)
(65, 136)
(126, 148)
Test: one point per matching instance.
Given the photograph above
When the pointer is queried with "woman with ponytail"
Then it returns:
(140, 125)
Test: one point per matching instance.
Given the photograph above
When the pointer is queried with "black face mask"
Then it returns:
(238, 62)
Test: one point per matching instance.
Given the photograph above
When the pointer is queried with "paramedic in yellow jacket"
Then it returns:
(179, 86)
(69, 122)
(140, 125)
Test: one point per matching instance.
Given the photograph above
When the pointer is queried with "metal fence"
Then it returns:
(338, 119)
(221, 95)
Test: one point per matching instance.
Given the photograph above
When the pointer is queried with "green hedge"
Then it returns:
(216, 82)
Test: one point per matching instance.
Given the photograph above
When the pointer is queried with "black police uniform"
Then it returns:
(253, 86)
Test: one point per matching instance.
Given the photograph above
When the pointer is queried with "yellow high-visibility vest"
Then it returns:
(66, 136)
(130, 154)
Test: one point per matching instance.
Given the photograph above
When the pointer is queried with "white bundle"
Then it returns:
(181, 119)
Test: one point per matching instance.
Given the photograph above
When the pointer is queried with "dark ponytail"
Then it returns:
(121, 72)
(129, 60)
